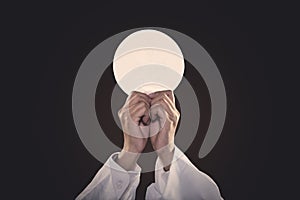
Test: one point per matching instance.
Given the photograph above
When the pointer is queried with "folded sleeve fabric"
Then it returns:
(182, 181)
(112, 182)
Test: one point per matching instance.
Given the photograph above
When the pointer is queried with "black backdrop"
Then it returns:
(251, 43)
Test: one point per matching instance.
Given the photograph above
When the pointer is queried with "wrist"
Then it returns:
(165, 155)
(127, 160)
(131, 149)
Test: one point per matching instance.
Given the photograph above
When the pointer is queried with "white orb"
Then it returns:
(148, 61)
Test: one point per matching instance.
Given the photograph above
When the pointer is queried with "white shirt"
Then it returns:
(182, 181)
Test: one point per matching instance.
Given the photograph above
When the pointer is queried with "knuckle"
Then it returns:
(120, 112)
(144, 103)
(177, 116)
(132, 94)
(143, 110)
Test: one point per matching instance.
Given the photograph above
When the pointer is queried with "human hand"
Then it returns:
(163, 107)
(135, 118)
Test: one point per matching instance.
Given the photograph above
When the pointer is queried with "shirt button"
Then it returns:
(119, 185)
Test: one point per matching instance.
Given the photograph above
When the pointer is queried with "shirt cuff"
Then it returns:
(121, 178)
(161, 176)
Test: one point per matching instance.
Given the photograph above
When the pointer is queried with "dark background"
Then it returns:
(253, 44)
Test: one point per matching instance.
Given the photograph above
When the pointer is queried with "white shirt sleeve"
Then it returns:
(112, 182)
(182, 181)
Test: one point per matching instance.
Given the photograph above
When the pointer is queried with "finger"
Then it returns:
(136, 114)
(137, 97)
(140, 94)
(158, 112)
(139, 113)
(133, 109)
(166, 106)
(166, 97)
(172, 114)
(169, 108)
(157, 98)
(169, 93)
(146, 118)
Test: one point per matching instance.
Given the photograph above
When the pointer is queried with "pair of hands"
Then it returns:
(151, 116)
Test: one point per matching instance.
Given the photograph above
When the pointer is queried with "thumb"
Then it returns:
(158, 119)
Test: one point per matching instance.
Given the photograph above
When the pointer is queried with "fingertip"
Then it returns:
(132, 93)
(152, 95)
(149, 98)
(146, 120)
(169, 92)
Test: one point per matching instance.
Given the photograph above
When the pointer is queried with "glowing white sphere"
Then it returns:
(148, 61)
